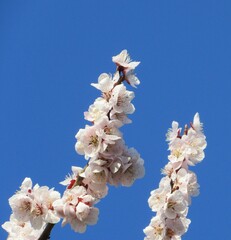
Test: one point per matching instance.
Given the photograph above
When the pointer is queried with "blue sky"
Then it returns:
(50, 52)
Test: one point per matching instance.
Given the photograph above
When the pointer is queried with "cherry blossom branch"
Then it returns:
(37, 209)
(109, 159)
(173, 197)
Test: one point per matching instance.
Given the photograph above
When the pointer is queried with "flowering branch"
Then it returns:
(36, 209)
(171, 200)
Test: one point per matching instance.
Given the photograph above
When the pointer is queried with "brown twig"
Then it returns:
(46, 232)
(121, 79)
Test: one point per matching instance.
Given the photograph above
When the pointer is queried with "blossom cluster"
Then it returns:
(173, 197)
(110, 161)
(32, 208)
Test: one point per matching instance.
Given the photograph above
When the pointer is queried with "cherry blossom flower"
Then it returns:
(156, 229)
(173, 132)
(195, 145)
(18, 230)
(96, 111)
(21, 206)
(122, 118)
(197, 125)
(95, 139)
(76, 208)
(126, 66)
(34, 204)
(120, 100)
(132, 79)
(133, 167)
(105, 83)
(123, 60)
(158, 197)
(175, 205)
(95, 177)
(177, 227)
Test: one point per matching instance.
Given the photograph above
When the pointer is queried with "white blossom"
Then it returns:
(134, 167)
(194, 146)
(19, 230)
(193, 186)
(186, 182)
(159, 196)
(96, 178)
(123, 60)
(175, 205)
(178, 226)
(95, 139)
(197, 125)
(127, 66)
(177, 154)
(114, 150)
(34, 204)
(98, 110)
(173, 132)
(120, 100)
(105, 83)
(132, 79)
(121, 117)
(76, 208)
(156, 229)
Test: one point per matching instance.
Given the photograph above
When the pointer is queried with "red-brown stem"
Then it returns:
(121, 79)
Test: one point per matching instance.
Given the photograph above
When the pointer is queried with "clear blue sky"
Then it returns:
(50, 52)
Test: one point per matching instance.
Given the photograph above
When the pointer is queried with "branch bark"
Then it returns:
(46, 232)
